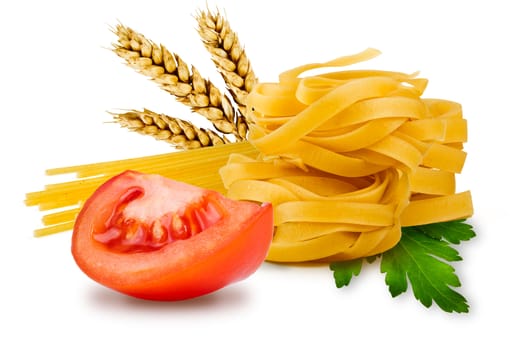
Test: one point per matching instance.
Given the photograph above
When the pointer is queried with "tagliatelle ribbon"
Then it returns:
(349, 157)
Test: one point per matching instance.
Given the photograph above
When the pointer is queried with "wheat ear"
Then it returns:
(228, 55)
(173, 75)
(180, 133)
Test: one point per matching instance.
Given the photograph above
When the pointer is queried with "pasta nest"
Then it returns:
(348, 157)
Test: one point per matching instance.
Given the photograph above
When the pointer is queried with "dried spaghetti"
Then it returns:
(62, 201)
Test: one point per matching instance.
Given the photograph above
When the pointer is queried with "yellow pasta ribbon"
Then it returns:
(349, 157)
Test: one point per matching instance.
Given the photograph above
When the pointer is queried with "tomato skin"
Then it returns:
(228, 251)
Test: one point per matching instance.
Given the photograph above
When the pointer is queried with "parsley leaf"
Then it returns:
(452, 231)
(345, 270)
(423, 259)
(372, 258)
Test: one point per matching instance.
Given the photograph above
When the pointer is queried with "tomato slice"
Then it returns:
(155, 238)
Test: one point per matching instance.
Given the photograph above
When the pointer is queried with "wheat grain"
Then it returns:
(228, 55)
(173, 75)
(180, 133)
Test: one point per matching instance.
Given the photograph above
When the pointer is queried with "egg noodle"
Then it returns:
(346, 158)
(349, 157)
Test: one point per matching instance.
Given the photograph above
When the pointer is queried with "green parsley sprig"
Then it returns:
(421, 257)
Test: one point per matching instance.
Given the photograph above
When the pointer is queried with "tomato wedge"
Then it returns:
(155, 238)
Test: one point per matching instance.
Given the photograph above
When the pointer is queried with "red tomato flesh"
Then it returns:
(155, 238)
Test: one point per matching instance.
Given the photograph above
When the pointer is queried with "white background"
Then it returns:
(58, 79)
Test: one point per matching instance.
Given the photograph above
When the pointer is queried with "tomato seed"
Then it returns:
(158, 231)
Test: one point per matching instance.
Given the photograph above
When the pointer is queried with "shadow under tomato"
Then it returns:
(233, 296)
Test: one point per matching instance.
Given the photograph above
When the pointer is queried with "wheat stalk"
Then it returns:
(173, 75)
(180, 133)
(228, 55)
